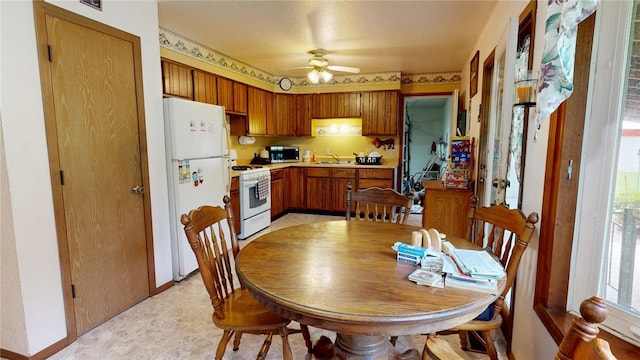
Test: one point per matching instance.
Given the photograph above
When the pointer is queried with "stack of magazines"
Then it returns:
(474, 270)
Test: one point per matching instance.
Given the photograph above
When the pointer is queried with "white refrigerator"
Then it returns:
(198, 168)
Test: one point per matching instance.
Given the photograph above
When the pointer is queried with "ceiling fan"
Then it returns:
(319, 65)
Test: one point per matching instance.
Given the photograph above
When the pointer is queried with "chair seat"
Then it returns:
(481, 325)
(243, 312)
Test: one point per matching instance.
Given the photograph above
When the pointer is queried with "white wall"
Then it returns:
(41, 320)
(531, 340)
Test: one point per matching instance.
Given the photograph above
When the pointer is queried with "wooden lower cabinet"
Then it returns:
(382, 178)
(234, 195)
(321, 188)
(339, 180)
(277, 192)
(295, 188)
(446, 210)
(318, 192)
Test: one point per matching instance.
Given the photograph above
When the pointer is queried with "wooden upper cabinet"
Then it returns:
(177, 80)
(260, 112)
(225, 93)
(380, 112)
(270, 112)
(204, 87)
(240, 103)
(285, 113)
(232, 95)
(336, 105)
(303, 115)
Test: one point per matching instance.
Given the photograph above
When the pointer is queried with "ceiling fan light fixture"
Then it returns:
(314, 76)
(317, 75)
(326, 76)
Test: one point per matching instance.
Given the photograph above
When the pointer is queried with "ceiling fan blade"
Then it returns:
(348, 69)
(299, 67)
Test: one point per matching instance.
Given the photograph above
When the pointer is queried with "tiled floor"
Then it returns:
(176, 324)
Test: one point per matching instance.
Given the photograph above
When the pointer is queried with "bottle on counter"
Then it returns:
(313, 157)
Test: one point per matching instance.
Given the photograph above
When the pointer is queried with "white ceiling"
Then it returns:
(413, 37)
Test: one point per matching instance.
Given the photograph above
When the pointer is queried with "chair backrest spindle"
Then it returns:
(377, 204)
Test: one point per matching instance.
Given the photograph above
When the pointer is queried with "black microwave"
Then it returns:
(284, 153)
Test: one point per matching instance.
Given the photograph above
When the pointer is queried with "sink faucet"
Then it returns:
(335, 157)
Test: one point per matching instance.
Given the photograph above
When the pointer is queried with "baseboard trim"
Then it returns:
(45, 353)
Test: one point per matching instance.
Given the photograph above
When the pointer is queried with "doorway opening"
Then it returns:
(428, 121)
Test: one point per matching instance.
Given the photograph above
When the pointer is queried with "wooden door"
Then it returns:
(95, 104)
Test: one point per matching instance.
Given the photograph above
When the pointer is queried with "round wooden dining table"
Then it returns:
(343, 276)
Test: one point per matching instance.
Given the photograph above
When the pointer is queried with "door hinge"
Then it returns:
(61, 177)
(570, 170)
(73, 291)
(50, 53)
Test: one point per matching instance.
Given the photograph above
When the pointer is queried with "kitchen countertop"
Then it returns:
(320, 164)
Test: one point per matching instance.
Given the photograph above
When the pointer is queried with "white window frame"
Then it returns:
(599, 161)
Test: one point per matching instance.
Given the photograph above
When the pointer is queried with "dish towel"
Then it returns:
(262, 189)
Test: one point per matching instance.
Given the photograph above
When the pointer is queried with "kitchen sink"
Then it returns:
(334, 162)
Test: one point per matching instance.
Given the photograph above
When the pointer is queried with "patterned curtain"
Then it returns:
(556, 75)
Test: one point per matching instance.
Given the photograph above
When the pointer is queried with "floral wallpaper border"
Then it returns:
(178, 43)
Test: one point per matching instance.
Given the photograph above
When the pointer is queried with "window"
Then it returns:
(608, 209)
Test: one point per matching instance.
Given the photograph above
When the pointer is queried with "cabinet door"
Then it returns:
(348, 104)
(270, 113)
(285, 106)
(380, 112)
(295, 197)
(318, 193)
(339, 194)
(240, 103)
(234, 195)
(320, 106)
(177, 80)
(277, 193)
(339, 180)
(204, 87)
(336, 105)
(225, 93)
(303, 115)
(446, 211)
(257, 116)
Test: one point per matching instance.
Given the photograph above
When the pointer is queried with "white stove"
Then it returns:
(255, 199)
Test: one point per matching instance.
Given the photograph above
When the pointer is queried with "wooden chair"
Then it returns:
(377, 204)
(235, 310)
(581, 342)
(507, 233)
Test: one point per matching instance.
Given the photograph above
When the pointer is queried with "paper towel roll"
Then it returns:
(426, 239)
(246, 140)
(416, 238)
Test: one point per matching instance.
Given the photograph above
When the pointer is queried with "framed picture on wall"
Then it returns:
(473, 75)
(96, 4)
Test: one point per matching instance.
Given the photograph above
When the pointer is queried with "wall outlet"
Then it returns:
(327, 151)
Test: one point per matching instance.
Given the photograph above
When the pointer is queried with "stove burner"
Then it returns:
(243, 168)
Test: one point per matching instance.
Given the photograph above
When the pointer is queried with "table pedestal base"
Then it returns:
(366, 347)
